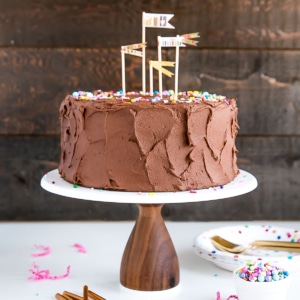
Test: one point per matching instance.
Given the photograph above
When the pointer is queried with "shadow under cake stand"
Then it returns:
(149, 260)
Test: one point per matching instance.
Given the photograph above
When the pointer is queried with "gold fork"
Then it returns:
(224, 245)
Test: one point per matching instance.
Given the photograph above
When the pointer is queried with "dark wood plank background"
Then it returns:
(249, 49)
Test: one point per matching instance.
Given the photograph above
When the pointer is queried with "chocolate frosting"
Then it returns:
(144, 146)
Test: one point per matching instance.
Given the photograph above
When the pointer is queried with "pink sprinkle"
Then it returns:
(229, 298)
(46, 251)
(80, 248)
(45, 274)
(193, 192)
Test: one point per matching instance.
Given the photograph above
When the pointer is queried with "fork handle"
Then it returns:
(277, 244)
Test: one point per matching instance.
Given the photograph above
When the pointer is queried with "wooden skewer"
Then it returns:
(94, 296)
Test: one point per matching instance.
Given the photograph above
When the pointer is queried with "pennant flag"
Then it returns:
(133, 52)
(170, 41)
(157, 20)
(159, 65)
(130, 49)
(134, 46)
(187, 38)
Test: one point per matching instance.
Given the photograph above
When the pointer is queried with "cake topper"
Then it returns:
(159, 65)
(177, 41)
(153, 20)
(157, 20)
(130, 49)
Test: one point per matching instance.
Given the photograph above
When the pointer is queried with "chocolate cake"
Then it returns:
(145, 144)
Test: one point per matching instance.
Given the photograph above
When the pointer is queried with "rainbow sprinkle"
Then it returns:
(259, 272)
(167, 96)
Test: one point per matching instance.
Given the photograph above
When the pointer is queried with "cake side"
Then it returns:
(146, 145)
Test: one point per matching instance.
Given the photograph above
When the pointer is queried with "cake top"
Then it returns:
(166, 97)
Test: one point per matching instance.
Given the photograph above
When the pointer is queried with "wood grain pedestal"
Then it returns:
(149, 261)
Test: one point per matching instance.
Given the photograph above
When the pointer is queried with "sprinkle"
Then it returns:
(132, 97)
(75, 186)
(80, 248)
(259, 272)
(193, 192)
(53, 182)
(45, 274)
(229, 298)
(46, 251)
(151, 194)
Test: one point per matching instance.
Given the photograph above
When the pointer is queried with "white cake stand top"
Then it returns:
(242, 184)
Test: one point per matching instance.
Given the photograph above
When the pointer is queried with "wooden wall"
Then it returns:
(249, 49)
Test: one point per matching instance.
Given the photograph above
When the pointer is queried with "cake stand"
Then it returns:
(149, 260)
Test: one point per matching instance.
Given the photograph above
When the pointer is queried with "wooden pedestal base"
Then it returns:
(149, 261)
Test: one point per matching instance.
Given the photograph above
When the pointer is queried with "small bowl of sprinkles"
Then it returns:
(261, 281)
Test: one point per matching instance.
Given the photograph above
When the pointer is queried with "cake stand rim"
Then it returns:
(244, 183)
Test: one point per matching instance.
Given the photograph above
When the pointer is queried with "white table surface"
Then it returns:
(99, 267)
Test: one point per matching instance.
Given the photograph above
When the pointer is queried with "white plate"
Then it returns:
(243, 234)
